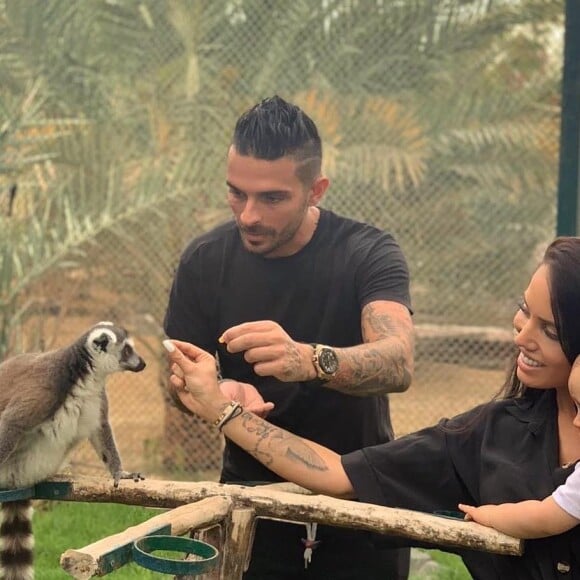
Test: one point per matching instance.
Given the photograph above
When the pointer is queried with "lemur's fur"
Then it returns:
(49, 402)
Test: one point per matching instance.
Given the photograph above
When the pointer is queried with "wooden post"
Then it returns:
(239, 538)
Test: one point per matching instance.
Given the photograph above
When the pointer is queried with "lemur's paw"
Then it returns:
(134, 475)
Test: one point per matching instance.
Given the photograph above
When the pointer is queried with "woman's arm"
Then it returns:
(194, 382)
(291, 457)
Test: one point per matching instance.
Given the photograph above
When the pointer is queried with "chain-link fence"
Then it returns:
(440, 123)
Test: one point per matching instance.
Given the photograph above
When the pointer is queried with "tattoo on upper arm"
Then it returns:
(274, 441)
(377, 325)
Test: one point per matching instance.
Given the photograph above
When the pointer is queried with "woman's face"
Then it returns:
(541, 363)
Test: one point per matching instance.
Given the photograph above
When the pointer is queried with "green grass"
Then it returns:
(59, 526)
(452, 567)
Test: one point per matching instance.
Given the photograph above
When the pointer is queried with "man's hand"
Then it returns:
(247, 395)
(271, 351)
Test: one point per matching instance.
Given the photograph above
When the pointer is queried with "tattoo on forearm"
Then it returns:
(382, 364)
(274, 442)
(375, 371)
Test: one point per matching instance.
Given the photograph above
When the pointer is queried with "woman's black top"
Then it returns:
(506, 451)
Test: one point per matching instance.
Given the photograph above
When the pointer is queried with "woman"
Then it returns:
(533, 518)
(520, 447)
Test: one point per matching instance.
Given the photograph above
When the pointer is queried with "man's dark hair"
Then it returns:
(273, 129)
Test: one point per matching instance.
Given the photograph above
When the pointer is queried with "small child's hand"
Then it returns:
(484, 515)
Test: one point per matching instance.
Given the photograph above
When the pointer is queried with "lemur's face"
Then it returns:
(112, 350)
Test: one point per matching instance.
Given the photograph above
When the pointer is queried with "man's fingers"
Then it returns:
(257, 326)
(262, 354)
(250, 340)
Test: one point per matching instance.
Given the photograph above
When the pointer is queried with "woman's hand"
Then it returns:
(193, 379)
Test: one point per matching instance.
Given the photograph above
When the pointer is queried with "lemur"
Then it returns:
(49, 402)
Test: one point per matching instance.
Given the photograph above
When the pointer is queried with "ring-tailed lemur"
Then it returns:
(49, 402)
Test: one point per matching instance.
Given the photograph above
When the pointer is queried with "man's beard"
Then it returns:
(276, 240)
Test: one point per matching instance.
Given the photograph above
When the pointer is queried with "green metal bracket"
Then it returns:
(42, 490)
(52, 490)
(143, 548)
(16, 494)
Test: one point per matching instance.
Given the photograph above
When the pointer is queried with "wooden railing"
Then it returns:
(234, 508)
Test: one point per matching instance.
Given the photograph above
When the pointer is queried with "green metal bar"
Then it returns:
(123, 554)
(16, 494)
(568, 220)
(56, 490)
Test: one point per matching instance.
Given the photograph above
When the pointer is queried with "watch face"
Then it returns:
(328, 361)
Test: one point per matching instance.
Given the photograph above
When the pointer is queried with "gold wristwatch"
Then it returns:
(325, 361)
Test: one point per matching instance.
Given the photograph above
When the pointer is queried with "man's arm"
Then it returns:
(383, 364)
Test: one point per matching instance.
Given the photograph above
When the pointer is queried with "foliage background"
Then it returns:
(440, 121)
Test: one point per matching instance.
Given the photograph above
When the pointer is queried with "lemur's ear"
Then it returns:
(99, 339)
(101, 342)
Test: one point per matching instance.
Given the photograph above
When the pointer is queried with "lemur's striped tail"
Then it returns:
(17, 541)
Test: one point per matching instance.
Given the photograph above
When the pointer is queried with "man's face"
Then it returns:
(270, 204)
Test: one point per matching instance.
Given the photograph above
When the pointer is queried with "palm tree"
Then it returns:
(438, 118)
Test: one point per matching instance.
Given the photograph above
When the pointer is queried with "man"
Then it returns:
(311, 308)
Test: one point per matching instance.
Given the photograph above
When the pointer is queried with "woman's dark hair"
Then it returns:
(275, 128)
(563, 261)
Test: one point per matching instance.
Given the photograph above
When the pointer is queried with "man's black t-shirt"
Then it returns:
(317, 296)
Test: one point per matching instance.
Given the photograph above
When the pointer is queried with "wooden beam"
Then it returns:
(322, 509)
